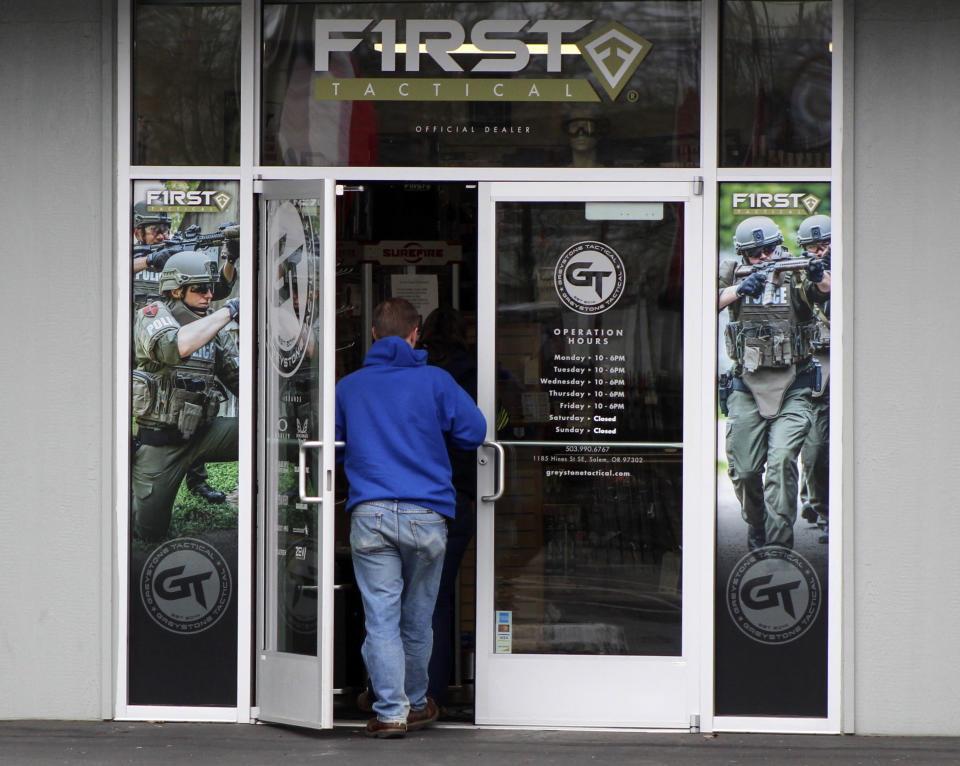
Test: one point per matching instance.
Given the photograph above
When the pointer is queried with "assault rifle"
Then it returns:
(776, 270)
(190, 239)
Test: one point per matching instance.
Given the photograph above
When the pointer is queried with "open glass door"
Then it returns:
(588, 378)
(296, 454)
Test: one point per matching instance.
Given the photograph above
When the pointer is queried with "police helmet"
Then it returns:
(756, 231)
(143, 217)
(816, 228)
(188, 267)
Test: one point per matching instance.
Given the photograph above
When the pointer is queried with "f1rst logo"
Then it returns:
(441, 37)
(773, 595)
(185, 585)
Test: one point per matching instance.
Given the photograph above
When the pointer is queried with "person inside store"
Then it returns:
(445, 339)
(397, 415)
(767, 395)
(184, 358)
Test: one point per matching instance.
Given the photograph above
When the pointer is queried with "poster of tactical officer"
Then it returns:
(773, 303)
(185, 314)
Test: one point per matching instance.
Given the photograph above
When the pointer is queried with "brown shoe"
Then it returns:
(385, 729)
(417, 719)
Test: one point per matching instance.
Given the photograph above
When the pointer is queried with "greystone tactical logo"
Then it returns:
(294, 263)
(614, 53)
(773, 595)
(589, 277)
(186, 586)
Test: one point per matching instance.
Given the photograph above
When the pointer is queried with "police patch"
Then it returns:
(151, 310)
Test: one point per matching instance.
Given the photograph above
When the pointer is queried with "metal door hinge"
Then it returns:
(698, 186)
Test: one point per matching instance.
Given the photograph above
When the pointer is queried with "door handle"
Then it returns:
(501, 471)
(302, 477)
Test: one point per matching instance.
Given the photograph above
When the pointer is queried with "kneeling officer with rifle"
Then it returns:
(183, 358)
(766, 395)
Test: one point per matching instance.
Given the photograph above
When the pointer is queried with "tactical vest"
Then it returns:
(184, 396)
(770, 337)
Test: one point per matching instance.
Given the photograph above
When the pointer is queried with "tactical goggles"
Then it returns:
(206, 287)
(756, 252)
(581, 128)
(157, 228)
(817, 246)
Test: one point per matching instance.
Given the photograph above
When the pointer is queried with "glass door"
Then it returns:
(586, 363)
(296, 454)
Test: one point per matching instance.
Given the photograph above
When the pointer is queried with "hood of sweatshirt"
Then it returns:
(394, 351)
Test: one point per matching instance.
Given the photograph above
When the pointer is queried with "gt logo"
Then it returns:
(186, 603)
(757, 597)
(773, 595)
(183, 587)
(579, 275)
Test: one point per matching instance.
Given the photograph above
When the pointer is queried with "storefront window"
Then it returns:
(572, 84)
(186, 83)
(775, 83)
(184, 475)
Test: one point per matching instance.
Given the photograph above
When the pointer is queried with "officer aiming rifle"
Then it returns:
(185, 360)
(153, 246)
(767, 393)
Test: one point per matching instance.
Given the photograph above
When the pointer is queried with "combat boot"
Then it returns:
(208, 493)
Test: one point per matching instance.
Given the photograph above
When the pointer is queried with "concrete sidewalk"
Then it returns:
(113, 742)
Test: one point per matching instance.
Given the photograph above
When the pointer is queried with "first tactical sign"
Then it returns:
(492, 84)
(495, 47)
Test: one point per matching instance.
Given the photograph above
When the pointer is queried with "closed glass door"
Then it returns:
(586, 358)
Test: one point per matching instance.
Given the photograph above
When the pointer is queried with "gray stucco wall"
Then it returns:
(56, 376)
(905, 366)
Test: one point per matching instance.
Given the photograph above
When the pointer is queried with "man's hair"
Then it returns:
(395, 316)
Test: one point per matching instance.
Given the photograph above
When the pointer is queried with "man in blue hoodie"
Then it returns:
(397, 415)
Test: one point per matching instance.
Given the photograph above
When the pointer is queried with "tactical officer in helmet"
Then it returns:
(150, 229)
(768, 404)
(183, 360)
(153, 228)
(813, 236)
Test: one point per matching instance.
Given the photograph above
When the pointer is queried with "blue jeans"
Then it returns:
(398, 553)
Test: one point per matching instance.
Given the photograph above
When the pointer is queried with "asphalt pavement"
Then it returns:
(206, 744)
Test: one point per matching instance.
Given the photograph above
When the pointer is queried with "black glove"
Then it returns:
(826, 261)
(233, 249)
(752, 285)
(815, 270)
(158, 259)
(233, 305)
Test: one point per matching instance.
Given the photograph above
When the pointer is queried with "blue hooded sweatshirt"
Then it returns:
(397, 415)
